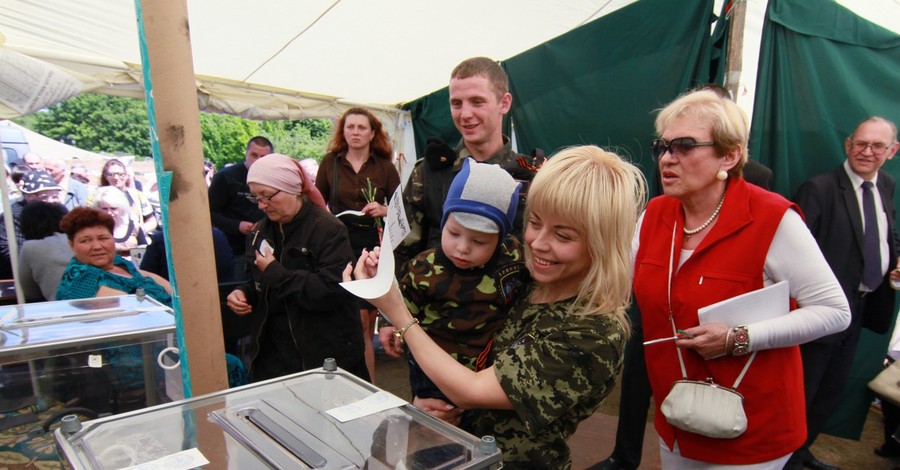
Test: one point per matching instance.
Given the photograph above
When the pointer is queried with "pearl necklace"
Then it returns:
(688, 233)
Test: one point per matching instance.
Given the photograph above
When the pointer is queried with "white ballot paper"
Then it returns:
(373, 403)
(396, 228)
(762, 304)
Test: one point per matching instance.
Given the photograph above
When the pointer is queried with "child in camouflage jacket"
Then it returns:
(460, 291)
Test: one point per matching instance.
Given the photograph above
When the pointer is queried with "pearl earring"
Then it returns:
(722, 175)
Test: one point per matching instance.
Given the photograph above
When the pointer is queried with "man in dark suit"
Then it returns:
(835, 205)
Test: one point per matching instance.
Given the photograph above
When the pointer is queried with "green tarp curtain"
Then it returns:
(822, 70)
(599, 83)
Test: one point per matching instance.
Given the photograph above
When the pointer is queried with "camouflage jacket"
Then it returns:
(555, 367)
(461, 309)
(424, 194)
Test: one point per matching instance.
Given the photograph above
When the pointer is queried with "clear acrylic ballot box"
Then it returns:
(281, 423)
(98, 353)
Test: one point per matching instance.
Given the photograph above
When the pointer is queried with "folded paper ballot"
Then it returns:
(762, 304)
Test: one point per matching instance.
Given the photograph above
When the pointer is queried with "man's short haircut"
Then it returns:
(483, 67)
(262, 142)
(879, 119)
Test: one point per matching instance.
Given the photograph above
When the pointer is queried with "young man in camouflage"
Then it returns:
(479, 98)
(460, 291)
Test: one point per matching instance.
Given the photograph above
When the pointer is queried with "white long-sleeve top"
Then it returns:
(793, 256)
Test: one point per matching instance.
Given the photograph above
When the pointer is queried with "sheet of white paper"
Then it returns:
(28, 84)
(395, 221)
(384, 277)
(374, 403)
(191, 458)
(762, 304)
(351, 212)
(265, 248)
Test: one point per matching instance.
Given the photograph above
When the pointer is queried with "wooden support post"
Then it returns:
(734, 61)
(173, 103)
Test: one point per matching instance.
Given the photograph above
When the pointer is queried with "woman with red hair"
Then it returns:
(358, 175)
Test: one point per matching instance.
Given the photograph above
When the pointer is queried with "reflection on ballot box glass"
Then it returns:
(99, 354)
(281, 423)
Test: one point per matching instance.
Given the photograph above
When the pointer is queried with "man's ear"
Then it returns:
(892, 150)
(505, 102)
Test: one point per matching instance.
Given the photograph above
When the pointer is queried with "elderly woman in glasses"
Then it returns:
(115, 174)
(297, 252)
(712, 236)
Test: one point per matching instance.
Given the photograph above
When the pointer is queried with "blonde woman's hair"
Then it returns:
(113, 196)
(600, 195)
(730, 124)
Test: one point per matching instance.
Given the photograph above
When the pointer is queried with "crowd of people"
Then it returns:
(526, 286)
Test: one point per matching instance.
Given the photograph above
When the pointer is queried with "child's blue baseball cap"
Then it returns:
(483, 198)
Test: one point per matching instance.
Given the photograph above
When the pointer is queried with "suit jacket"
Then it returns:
(830, 206)
(758, 174)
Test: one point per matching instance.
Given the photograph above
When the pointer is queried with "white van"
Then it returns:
(14, 144)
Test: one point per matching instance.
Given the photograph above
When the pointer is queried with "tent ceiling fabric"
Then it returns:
(283, 59)
(288, 59)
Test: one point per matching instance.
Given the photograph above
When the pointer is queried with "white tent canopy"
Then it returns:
(288, 59)
(283, 59)
(47, 147)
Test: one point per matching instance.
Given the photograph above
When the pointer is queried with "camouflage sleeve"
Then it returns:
(414, 203)
(547, 377)
(412, 295)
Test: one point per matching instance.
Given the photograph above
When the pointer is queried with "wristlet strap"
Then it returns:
(740, 376)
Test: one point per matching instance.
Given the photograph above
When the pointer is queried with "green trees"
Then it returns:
(115, 125)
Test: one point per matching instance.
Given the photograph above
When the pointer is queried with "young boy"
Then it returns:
(460, 290)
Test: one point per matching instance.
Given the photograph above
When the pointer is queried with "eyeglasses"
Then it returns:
(114, 174)
(877, 147)
(262, 197)
(47, 196)
(679, 146)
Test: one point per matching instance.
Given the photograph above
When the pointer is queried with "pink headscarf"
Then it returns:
(285, 174)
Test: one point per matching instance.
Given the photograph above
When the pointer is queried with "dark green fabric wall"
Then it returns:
(822, 70)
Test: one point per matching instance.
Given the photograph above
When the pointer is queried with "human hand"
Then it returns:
(264, 258)
(374, 209)
(707, 339)
(390, 343)
(367, 264)
(391, 303)
(237, 302)
(244, 227)
(439, 409)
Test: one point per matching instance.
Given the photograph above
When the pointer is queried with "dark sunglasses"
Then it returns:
(679, 146)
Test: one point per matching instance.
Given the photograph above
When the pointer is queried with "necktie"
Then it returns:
(872, 275)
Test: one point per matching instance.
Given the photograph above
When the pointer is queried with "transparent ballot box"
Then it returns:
(99, 353)
(281, 423)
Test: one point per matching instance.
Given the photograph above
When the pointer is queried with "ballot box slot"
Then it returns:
(280, 435)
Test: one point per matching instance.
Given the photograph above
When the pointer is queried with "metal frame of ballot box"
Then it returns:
(282, 424)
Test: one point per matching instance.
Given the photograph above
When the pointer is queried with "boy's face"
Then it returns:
(467, 248)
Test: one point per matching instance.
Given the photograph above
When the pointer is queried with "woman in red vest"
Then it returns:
(712, 236)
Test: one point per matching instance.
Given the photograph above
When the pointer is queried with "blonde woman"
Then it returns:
(112, 201)
(560, 351)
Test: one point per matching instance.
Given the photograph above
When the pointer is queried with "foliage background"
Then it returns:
(119, 126)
